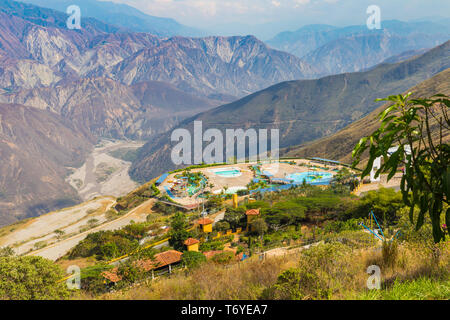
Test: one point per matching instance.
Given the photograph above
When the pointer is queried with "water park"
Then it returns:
(194, 185)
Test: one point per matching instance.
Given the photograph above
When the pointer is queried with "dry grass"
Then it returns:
(331, 271)
(244, 280)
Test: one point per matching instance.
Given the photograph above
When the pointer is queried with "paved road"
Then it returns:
(219, 217)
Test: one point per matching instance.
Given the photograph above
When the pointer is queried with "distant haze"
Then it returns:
(266, 18)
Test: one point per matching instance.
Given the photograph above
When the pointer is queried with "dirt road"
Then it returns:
(57, 250)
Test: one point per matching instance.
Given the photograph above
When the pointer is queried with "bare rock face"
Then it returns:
(226, 65)
(36, 146)
(107, 108)
(89, 75)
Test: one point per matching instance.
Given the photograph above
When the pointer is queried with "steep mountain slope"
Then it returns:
(355, 48)
(38, 40)
(360, 52)
(339, 146)
(226, 65)
(111, 109)
(36, 146)
(304, 110)
(122, 15)
(89, 75)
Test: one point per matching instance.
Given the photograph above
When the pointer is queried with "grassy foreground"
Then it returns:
(332, 270)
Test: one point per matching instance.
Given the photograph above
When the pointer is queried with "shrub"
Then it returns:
(390, 253)
(223, 257)
(31, 278)
(193, 259)
(314, 277)
(222, 226)
(211, 245)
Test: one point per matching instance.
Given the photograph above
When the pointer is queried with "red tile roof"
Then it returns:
(161, 260)
(112, 275)
(204, 221)
(252, 212)
(191, 241)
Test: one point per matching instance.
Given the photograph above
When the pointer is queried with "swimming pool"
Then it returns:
(310, 177)
(227, 172)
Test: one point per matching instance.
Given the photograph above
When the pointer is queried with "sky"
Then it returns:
(273, 16)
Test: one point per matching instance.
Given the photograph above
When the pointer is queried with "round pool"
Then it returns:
(227, 172)
(310, 177)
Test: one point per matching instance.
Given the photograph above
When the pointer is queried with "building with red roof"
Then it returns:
(192, 244)
(162, 262)
(206, 224)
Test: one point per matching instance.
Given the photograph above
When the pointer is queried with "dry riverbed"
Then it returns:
(103, 174)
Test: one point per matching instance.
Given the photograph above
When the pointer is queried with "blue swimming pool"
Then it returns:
(227, 173)
(310, 177)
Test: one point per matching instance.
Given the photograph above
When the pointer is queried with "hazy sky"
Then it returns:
(279, 15)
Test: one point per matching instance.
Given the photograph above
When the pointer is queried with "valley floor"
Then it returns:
(102, 174)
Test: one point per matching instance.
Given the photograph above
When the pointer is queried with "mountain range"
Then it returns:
(303, 110)
(355, 48)
(122, 15)
(46, 65)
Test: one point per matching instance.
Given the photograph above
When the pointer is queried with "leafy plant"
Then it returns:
(31, 278)
(193, 259)
(408, 124)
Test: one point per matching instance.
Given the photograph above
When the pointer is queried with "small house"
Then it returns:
(192, 244)
(251, 214)
(206, 224)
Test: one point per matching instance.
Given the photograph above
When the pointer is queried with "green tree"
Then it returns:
(31, 278)
(419, 125)
(385, 204)
(284, 213)
(178, 233)
(222, 226)
(235, 217)
(259, 226)
(6, 252)
(214, 202)
(192, 259)
(59, 234)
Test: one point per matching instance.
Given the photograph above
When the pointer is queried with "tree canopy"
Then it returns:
(31, 278)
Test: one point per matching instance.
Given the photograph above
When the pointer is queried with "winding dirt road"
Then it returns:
(59, 249)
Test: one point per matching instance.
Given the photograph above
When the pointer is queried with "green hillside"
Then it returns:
(340, 145)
